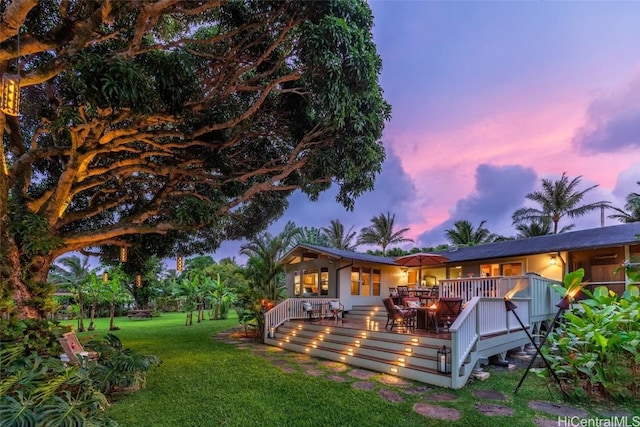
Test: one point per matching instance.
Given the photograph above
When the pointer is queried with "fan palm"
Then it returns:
(558, 199)
(465, 234)
(381, 232)
(338, 238)
(631, 211)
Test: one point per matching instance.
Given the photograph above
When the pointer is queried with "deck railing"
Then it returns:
(533, 286)
(291, 308)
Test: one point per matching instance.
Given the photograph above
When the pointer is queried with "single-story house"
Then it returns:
(363, 279)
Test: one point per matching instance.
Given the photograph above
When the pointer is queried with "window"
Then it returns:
(376, 282)
(310, 282)
(324, 281)
(297, 287)
(355, 280)
(511, 269)
(365, 289)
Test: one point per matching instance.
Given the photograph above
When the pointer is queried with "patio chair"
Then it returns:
(447, 311)
(72, 348)
(335, 307)
(397, 316)
(311, 311)
(403, 291)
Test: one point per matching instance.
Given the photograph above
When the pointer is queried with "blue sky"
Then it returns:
(488, 98)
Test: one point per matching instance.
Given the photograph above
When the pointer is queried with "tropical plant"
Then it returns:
(159, 124)
(464, 233)
(536, 227)
(596, 351)
(312, 236)
(339, 238)
(264, 274)
(73, 274)
(631, 211)
(558, 199)
(115, 294)
(95, 294)
(382, 232)
(221, 297)
(189, 291)
(118, 368)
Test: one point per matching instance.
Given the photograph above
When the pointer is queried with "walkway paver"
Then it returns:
(438, 412)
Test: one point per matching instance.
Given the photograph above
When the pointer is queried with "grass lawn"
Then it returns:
(204, 382)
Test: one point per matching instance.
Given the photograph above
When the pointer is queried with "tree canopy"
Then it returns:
(178, 119)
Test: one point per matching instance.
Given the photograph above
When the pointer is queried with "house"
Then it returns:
(357, 278)
(505, 286)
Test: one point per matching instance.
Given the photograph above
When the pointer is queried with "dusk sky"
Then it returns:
(488, 98)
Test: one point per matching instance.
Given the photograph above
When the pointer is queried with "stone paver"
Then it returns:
(288, 369)
(438, 412)
(362, 374)
(333, 366)
(364, 385)
(314, 372)
(544, 422)
(390, 395)
(417, 390)
(494, 410)
(489, 395)
(337, 378)
(558, 409)
(395, 381)
(442, 397)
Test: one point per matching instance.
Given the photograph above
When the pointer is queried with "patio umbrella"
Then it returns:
(419, 260)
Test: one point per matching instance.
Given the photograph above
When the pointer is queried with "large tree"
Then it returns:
(558, 199)
(177, 118)
(382, 232)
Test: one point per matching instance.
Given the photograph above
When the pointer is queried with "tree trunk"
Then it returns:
(28, 289)
(112, 315)
(92, 316)
(80, 312)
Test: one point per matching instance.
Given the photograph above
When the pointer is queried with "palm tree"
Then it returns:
(264, 273)
(312, 236)
(537, 227)
(74, 274)
(631, 211)
(264, 252)
(381, 232)
(338, 238)
(464, 234)
(558, 199)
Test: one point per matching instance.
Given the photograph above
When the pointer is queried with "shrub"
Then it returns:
(39, 389)
(595, 350)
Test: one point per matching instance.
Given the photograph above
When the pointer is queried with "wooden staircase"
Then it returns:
(406, 355)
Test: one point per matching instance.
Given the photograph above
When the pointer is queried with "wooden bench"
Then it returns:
(140, 314)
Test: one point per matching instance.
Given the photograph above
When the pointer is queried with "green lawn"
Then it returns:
(203, 382)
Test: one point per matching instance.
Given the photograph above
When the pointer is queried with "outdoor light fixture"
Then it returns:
(180, 263)
(138, 281)
(272, 332)
(510, 306)
(553, 260)
(123, 254)
(10, 94)
(562, 305)
(105, 277)
(444, 360)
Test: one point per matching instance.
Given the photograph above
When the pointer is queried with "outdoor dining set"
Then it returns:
(420, 309)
